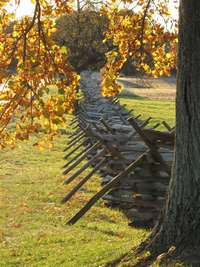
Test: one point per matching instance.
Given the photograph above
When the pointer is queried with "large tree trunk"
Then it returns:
(180, 224)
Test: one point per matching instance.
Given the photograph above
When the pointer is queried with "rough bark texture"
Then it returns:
(181, 218)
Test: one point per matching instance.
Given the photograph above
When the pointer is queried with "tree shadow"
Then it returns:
(132, 259)
(167, 259)
(137, 84)
(105, 232)
(129, 95)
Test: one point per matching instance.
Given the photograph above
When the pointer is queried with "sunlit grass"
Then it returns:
(33, 230)
(157, 109)
(32, 220)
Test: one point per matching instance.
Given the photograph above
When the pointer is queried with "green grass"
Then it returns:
(157, 109)
(32, 220)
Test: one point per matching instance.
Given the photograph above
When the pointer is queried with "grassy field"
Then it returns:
(159, 110)
(32, 220)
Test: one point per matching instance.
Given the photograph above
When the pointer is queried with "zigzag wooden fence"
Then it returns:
(133, 158)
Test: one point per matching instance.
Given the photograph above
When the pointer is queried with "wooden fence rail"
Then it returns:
(133, 157)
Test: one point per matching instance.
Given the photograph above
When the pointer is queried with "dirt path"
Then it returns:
(160, 89)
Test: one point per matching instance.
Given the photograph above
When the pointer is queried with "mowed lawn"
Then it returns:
(159, 110)
(33, 230)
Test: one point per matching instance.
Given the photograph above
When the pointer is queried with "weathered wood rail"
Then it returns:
(133, 158)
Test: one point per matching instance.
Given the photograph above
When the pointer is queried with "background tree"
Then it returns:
(82, 32)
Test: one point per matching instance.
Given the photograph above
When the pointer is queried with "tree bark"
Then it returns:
(180, 222)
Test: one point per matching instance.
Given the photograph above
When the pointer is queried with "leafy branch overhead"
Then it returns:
(39, 86)
(41, 89)
(139, 31)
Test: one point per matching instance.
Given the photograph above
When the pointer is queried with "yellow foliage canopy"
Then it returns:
(138, 34)
(38, 85)
(40, 88)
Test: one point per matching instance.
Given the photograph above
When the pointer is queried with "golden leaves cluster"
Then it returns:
(140, 36)
(38, 86)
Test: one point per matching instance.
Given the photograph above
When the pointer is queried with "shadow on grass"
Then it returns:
(140, 83)
(133, 259)
(167, 259)
(101, 231)
(128, 95)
